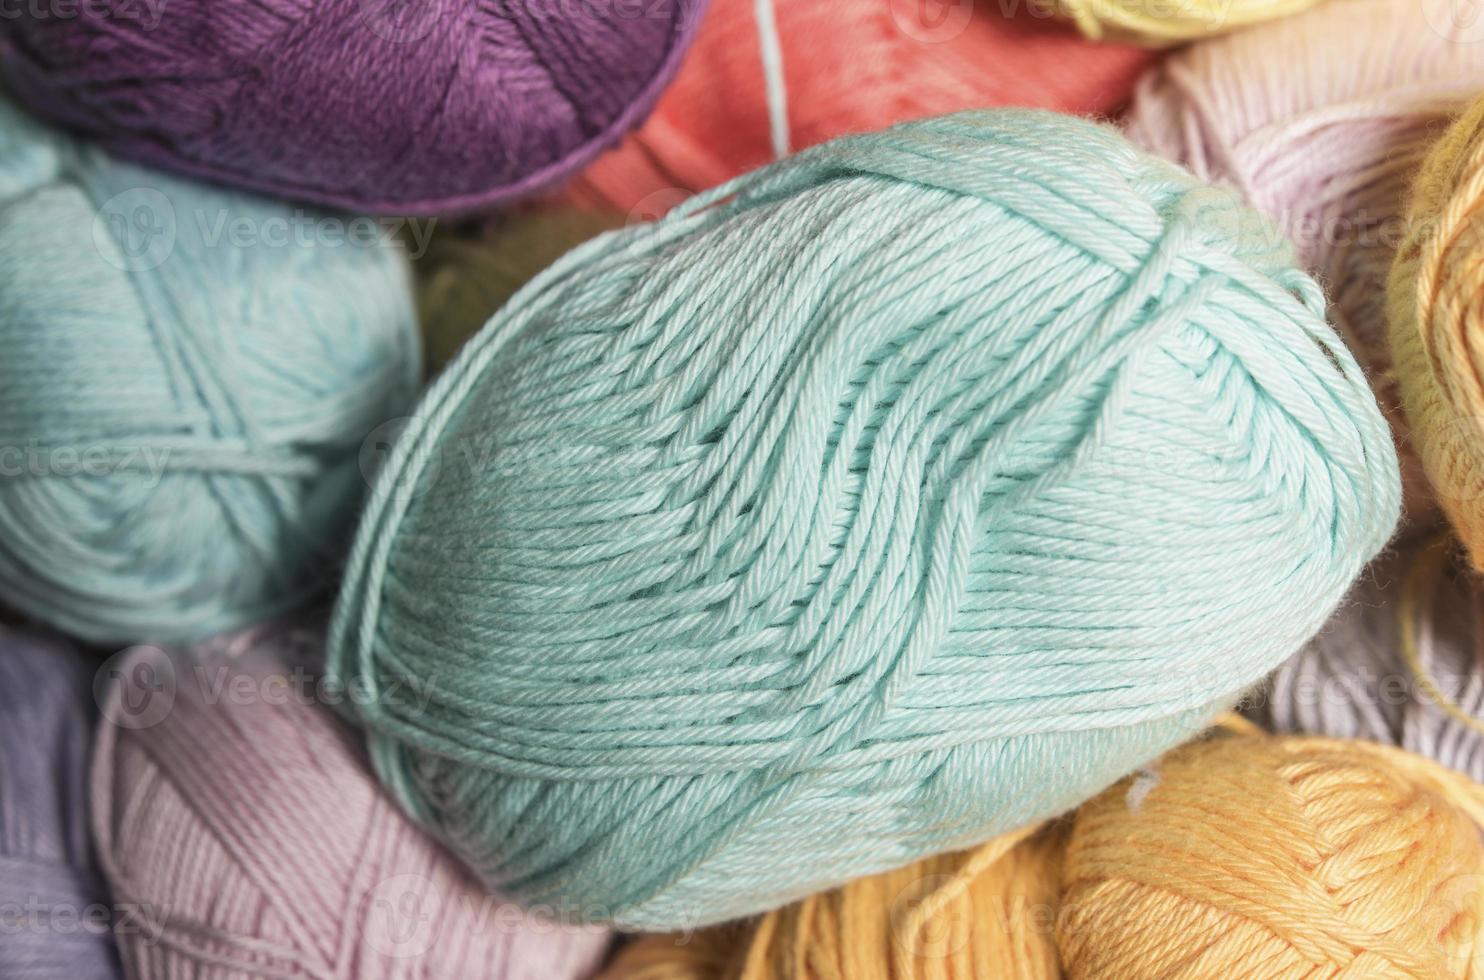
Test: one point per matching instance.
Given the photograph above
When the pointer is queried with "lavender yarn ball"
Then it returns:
(435, 106)
(1401, 662)
(49, 887)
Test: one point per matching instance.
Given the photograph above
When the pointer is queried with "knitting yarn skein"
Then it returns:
(1435, 326)
(1160, 23)
(868, 507)
(437, 107)
(847, 67)
(187, 378)
(1321, 121)
(56, 906)
(1278, 857)
(231, 801)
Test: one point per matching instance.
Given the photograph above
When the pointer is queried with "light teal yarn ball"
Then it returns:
(186, 379)
(901, 493)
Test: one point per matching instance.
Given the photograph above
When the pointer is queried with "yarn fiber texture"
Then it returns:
(231, 800)
(1435, 325)
(1322, 121)
(873, 505)
(186, 379)
(57, 907)
(1398, 663)
(1244, 856)
(465, 278)
(1160, 24)
(989, 912)
(848, 67)
(438, 107)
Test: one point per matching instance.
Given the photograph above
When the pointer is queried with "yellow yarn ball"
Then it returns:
(1162, 22)
(1237, 856)
(1435, 308)
(1278, 857)
(463, 279)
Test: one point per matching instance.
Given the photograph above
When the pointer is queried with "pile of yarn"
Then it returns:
(56, 911)
(231, 801)
(1325, 139)
(1328, 858)
(436, 107)
(728, 524)
(187, 377)
(844, 67)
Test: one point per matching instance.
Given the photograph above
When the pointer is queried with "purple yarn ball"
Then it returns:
(405, 106)
(53, 898)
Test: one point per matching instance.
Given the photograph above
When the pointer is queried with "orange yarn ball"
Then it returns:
(849, 66)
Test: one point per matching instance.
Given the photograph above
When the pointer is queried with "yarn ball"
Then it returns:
(848, 67)
(230, 799)
(1398, 663)
(1321, 121)
(989, 912)
(1435, 324)
(187, 378)
(1278, 857)
(867, 507)
(437, 107)
(464, 278)
(1171, 22)
(56, 907)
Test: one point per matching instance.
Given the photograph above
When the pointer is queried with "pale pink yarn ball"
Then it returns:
(236, 815)
(1321, 120)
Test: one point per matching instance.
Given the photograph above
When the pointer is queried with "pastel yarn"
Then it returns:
(1321, 121)
(438, 107)
(847, 67)
(1278, 857)
(465, 278)
(870, 506)
(1162, 22)
(1239, 856)
(1432, 308)
(230, 799)
(56, 907)
(186, 380)
(988, 912)
(1401, 662)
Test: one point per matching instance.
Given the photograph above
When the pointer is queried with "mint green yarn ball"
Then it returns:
(886, 499)
(187, 377)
